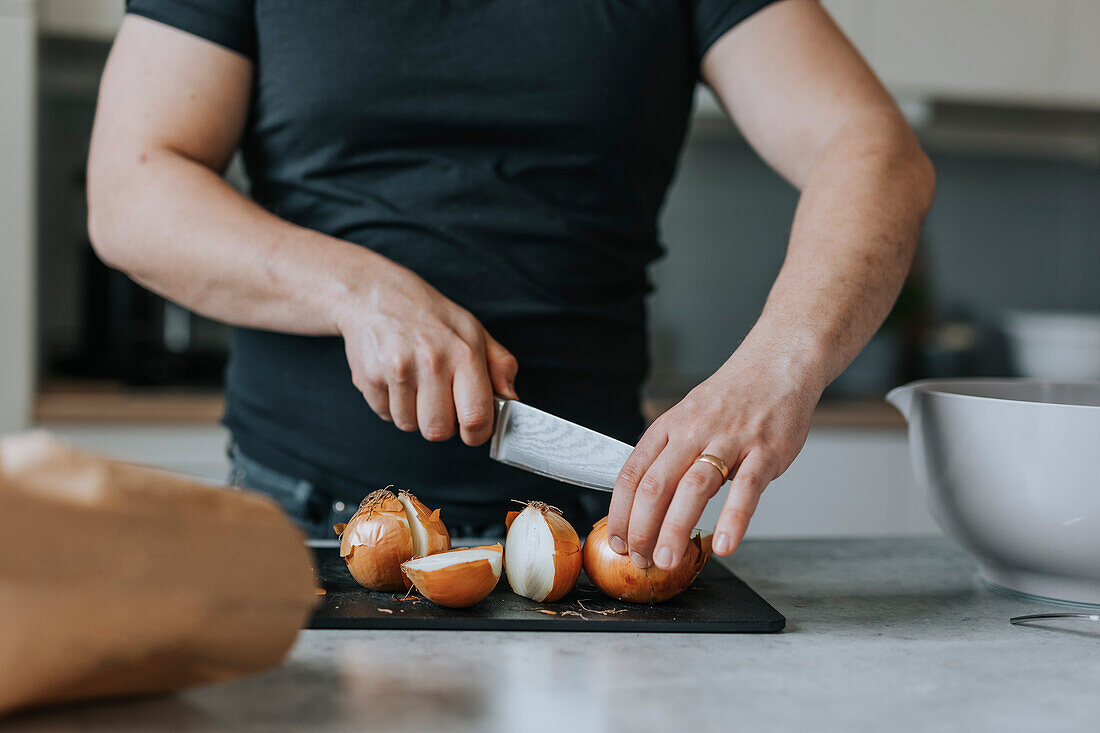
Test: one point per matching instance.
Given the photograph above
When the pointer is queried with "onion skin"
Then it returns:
(461, 585)
(617, 576)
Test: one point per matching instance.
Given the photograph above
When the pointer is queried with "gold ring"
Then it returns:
(716, 462)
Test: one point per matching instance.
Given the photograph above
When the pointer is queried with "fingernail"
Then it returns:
(722, 544)
(639, 561)
(617, 545)
(663, 558)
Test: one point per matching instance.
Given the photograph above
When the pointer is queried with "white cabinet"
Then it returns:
(81, 18)
(17, 54)
(845, 483)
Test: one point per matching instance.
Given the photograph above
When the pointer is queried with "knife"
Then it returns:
(536, 441)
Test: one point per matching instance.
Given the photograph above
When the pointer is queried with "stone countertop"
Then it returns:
(884, 634)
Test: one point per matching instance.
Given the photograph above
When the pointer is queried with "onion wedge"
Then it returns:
(457, 578)
(429, 535)
(542, 554)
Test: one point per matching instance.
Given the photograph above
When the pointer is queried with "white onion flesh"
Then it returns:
(542, 554)
(456, 557)
(529, 555)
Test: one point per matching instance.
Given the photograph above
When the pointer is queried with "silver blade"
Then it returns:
(541, 443)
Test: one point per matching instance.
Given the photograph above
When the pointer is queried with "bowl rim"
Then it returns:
(929, 386)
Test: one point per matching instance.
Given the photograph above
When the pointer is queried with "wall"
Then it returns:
(1005, 232)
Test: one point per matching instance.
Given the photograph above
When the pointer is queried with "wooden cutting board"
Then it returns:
(718, 602)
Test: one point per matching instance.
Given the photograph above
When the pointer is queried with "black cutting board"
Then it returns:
(718, 602)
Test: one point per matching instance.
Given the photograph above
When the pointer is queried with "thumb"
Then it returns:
(502, 368)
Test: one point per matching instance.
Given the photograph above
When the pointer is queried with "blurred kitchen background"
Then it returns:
(1004, 95)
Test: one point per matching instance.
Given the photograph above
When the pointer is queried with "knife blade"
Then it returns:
(536, 441)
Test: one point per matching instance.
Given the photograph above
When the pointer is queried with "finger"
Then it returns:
(748, 484)
(626, 484)
(378, 397)
(435, 406)
(403, 405)
(502, 368)
(701, 482)
(473, 400)
(652, 499)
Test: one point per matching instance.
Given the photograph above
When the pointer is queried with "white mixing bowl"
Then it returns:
(1012, 472)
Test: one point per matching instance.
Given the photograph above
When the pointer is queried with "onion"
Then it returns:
(385, 532)
(542, 555)
(458, 578)
(617, 576)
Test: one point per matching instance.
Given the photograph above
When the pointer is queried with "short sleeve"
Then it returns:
(712, 18)
(228, 23)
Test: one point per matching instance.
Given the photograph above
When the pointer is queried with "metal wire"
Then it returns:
(1018, 620)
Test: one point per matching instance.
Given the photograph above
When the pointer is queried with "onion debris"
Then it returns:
(617, 576)
(457, 578)
(387, 531)
(542, 553)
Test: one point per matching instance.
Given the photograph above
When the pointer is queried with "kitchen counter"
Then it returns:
(882, 635)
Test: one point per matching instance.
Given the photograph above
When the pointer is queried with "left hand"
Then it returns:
(754, 414)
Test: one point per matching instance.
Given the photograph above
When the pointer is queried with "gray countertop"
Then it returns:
(888, 634)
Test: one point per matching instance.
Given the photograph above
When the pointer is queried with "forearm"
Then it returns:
(176, 227)
(852, 242)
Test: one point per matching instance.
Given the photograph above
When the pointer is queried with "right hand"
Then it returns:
(422, 361)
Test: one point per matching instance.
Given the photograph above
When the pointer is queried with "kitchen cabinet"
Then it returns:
(847, 482)
(17, 53)
(97, 19)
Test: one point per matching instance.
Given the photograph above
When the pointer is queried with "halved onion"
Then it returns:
(542, 554)
(457, 578)
(385, 532)
(617, 576)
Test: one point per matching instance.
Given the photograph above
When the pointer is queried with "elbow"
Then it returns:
(922, 174)
(107, 241)
(909, 163)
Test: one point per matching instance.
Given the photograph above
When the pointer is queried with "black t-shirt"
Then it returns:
(514, 153)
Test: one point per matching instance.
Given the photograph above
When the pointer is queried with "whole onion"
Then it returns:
(617, 576)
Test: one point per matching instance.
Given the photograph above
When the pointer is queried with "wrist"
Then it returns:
(799, 360)
(356, 286)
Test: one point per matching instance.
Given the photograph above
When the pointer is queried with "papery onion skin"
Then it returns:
(458, 586)
(618, 576)
(375, 541)
(566, 557)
